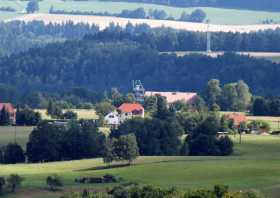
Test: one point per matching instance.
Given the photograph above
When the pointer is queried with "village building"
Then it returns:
(130, 110)
(112, 119)
(10, 109)
(124, 112)
(171, 97)
(237, 119)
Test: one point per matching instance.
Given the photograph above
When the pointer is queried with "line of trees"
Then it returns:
(138, 191)
(76, 140)
(269, 106)
(7, 9)
(271, 5)
(101, 65)
(27, 117)
(197, 15)
(230, 97)
(20, 36)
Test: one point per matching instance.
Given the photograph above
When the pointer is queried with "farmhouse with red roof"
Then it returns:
(171, 97)
(124, 112)
(10, 109)
(130, 110)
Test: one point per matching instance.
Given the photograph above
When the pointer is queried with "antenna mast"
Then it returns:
(208, 49)
(138, 91)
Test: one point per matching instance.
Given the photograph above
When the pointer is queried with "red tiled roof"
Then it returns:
(130, 107)
(172, 97)
(237, 118)
(8, 106)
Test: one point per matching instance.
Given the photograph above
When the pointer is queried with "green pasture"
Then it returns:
(216, 15)
(11, 134)
(7, 15)
(255, 166)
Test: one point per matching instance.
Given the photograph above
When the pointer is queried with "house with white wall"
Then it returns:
(112, 119)
(130, 110)
(124, 112)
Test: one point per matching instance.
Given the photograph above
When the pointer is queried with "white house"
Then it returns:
(112, 118)
(124, 112)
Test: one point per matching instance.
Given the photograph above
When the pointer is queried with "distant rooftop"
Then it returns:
(172, 97)
(130, 107)
(8, 107)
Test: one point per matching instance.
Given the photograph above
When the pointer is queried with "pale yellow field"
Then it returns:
(272, 56)
(104, 21)
(274, 122)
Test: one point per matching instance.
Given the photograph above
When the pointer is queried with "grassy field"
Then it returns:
(8, 15)
(216, 15)
(255, 165)
(10, 134)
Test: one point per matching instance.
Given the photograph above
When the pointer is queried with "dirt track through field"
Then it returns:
(104, 21)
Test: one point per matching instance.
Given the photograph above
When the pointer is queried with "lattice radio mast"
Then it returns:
(138, 91)
(208, 48)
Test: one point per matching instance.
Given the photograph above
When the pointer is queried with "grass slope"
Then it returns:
(255, 165)
(216, 15)
(10, 134)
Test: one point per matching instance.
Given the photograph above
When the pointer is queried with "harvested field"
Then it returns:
(216, 15)
(104, 21)
(272, 56)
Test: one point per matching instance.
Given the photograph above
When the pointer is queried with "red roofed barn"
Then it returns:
(237, 118)
(130, 110)
(10, 109)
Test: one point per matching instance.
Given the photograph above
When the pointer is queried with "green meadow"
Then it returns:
(11, 134)
(254, 166)
(216, 15)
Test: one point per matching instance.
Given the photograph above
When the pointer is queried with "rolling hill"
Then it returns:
(216, 15)
(255, 165)
(104, 21)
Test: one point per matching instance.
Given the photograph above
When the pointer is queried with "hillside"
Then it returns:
(104, 21)
(100, 66)
(216, 15)
(255, 165)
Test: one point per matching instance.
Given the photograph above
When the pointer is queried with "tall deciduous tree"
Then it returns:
(32, 6)
(126, 148)
(244, 95)
(213, 93)
(108, 154)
